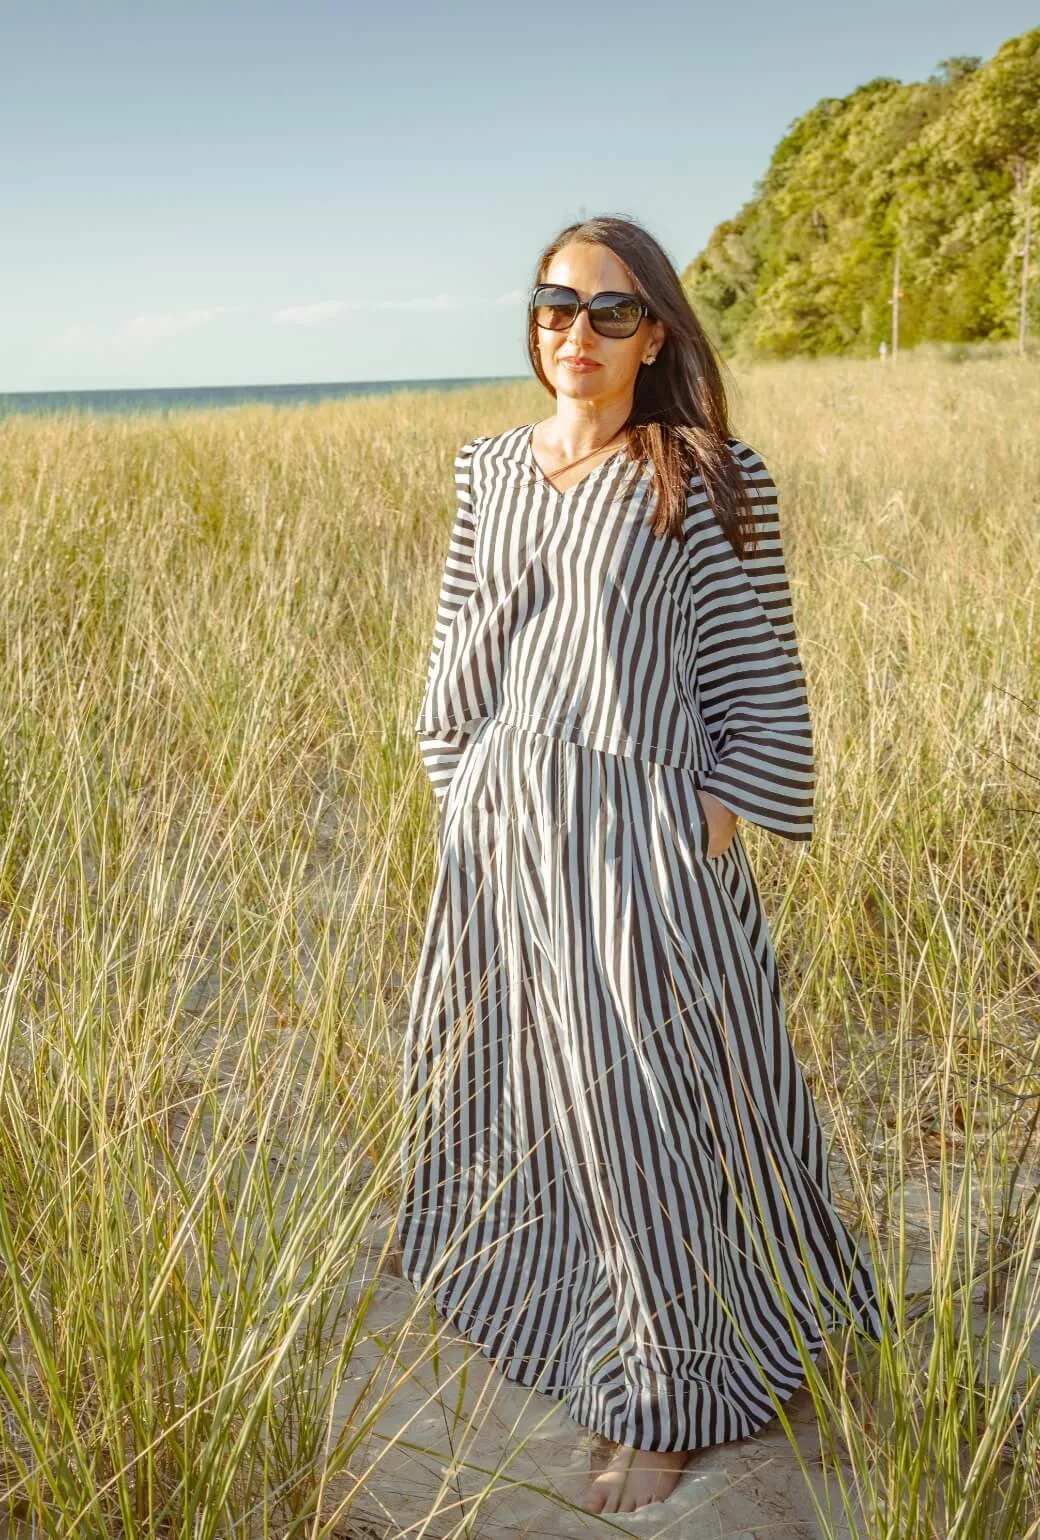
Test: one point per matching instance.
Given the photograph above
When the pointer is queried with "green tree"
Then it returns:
(941, 167)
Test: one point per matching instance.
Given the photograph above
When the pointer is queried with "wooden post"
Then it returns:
(1023, 314)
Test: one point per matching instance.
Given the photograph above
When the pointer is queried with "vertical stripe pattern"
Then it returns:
(613, 1176)
(561, 612)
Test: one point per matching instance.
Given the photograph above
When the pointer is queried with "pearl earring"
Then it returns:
(651, 359)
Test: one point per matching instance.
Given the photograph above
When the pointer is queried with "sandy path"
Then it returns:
(472, 1425)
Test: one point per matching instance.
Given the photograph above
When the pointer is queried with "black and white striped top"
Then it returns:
(560, 612)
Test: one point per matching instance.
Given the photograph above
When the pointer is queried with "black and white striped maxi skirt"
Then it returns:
(614, 1179)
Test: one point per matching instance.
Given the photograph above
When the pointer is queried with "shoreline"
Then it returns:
(169, 399)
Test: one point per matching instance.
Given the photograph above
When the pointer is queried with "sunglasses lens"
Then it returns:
(555, 307)
(615, 315)
(612, 315)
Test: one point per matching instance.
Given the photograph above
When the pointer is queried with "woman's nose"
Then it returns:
(581, 327)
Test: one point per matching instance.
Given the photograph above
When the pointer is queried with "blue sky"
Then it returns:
(231, 193)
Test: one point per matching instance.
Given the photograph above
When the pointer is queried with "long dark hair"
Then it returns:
(679, 421)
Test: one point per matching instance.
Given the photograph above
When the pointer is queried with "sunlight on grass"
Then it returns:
(216, 850)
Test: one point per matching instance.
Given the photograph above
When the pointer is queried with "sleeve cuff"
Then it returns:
(769, 784)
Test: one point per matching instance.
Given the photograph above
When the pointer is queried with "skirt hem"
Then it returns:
(580, 1404)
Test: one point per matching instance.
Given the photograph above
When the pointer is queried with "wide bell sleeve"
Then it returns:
(442, 751)
(749, 683)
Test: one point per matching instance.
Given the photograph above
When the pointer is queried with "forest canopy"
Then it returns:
(942, 168)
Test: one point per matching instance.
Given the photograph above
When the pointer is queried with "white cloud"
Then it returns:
(329, 309)
(152, 328)
(155, 326)
(311, 315)
(434, 302)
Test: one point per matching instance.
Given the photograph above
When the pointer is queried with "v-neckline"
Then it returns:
(543, 478)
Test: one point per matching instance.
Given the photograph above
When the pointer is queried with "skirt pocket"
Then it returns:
(469, 785)
(702, 823)
(679, 810)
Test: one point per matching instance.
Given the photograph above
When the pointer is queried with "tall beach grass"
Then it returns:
(216, 851)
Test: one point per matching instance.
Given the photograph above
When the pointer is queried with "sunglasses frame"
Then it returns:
(586, 304)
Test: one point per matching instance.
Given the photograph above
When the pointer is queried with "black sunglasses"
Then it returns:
(556, 308)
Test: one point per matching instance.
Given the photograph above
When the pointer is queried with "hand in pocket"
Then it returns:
(722, 822)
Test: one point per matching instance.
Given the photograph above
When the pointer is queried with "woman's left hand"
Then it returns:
(722, 822)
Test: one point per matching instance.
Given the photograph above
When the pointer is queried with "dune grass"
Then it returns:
(216, 851)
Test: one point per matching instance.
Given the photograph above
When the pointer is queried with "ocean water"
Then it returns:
(185, 398)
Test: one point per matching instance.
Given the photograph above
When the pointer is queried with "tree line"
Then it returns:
(945, 171)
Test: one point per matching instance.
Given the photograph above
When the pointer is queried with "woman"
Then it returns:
(614, 1177)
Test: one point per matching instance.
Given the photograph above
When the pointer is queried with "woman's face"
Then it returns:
(590, 269)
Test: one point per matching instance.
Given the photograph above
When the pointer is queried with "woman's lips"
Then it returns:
(579, 365)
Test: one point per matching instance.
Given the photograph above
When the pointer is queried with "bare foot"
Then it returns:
(632, 1478)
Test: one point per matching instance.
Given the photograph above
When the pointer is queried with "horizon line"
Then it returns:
(140, 390)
